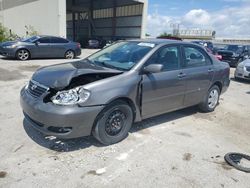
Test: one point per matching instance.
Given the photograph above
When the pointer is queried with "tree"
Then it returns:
(3, 33)
(165, 34)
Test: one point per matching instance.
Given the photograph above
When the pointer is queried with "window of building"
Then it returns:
(103, 13)
(130, 10)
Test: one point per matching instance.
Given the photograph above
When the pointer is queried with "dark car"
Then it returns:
(96, 43)
(127, 82)
(40, 47)
(234, 54)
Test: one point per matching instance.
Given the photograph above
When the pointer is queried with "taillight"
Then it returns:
(78, 45)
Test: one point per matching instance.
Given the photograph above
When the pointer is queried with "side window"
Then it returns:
(58, 40)
(194, 57)
(167, 56)
(44, 40)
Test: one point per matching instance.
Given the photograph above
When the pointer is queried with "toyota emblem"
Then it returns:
(33, 87)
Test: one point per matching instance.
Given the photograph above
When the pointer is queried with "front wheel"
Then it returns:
(211, 100)
(113, 123)
(23, 55)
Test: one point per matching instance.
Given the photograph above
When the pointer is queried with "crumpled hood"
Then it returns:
(59, 76)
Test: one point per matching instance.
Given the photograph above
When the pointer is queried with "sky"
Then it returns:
(229, 18)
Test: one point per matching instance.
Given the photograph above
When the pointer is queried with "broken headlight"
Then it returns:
(71, 97)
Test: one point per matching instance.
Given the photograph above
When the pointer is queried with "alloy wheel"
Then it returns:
(69, 55)
(23, 55)
(213, 98)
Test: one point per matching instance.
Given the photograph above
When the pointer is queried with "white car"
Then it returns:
(243, 70)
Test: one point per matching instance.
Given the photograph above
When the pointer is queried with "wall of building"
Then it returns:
(127, 20)
(45, 16)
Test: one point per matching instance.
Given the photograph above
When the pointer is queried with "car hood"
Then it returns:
(246, 63)
(59, 76)
(9, 43)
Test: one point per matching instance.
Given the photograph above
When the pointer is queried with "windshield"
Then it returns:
(235, 48)
(30, 39)
(122, 55)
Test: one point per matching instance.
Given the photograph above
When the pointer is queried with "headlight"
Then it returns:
(71, 97)
(12, 46)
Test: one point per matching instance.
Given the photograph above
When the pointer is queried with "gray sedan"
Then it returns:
(127, 82)
(243, 70)
(40, 47)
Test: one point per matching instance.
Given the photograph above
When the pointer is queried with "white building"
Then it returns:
(76, 19)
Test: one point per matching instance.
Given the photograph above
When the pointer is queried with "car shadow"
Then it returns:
(61, 145)
(165, 118)
(240, 80)
(13, 59)
(57, 144)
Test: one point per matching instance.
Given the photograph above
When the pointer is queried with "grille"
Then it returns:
(35, 89)
(248, 69)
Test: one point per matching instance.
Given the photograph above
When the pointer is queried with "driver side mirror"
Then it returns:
(153, 68)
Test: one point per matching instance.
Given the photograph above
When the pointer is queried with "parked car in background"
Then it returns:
(209, 48)
(40, 47)
(206, 44)
(243, 70)
(127, 82)
(234, 54)
(215, 54)
(96, 43)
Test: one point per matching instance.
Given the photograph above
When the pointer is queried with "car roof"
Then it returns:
(163, 41)
(41, 36)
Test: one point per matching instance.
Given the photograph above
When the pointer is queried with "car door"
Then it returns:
(58, 46)
(199, 71)
(164, 91)
(42, 48)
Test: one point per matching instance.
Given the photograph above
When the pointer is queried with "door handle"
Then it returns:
(210, 70)
(182, 75)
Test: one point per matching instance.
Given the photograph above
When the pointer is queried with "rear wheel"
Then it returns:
(113, 123)
(70, 54)
(211, 100)
(23, 55)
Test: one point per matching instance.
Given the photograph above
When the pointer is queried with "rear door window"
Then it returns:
(58, 40)
(44, 40)
(194, 57)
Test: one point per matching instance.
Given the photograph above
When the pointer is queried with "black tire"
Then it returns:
(113, 123)
(23, 55)
(206, 106)
(234, 158)
(70, 54)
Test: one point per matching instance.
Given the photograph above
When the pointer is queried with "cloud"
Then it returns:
(228, 22)
(197, 17)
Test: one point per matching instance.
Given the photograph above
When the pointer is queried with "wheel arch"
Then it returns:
(23, 48)
(128, 101)
(219, 84)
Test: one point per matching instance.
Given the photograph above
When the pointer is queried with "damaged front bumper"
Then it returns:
(59, 121)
